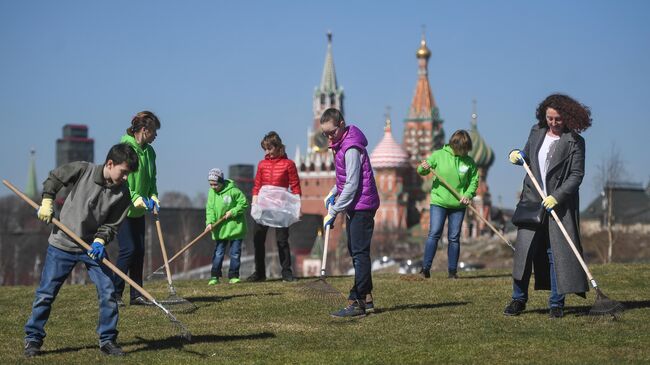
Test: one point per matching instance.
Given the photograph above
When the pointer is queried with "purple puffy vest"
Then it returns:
(366, 197)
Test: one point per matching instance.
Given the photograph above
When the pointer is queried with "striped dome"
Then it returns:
(388, 153)
(481, 152)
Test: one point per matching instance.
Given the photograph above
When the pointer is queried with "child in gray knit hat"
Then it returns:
(224, 216)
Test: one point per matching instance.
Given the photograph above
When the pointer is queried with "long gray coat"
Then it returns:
(565, 172)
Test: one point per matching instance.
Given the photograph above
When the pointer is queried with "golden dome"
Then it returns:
(423, 51)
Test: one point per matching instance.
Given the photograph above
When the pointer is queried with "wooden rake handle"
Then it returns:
(162, 246)
(324, 262)
(479, 215)
(81, 243)
(559, 223)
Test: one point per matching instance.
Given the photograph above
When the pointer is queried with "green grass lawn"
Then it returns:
(438, 320)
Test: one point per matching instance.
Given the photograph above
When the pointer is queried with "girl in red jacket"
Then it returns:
(277, 170)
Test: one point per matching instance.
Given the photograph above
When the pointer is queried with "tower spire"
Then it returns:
(328, 79)
(31, 189)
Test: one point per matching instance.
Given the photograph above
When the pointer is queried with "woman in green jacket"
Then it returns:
(144, 197)
(453, 165)
(227, 202)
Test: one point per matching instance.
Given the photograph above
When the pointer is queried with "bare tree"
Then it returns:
(610, 171)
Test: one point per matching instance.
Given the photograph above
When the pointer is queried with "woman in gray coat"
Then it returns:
(555, 153)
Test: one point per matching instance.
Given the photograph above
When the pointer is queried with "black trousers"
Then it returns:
(284, 251)
(131, 260)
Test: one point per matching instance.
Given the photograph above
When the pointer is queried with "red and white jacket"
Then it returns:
(277, 171)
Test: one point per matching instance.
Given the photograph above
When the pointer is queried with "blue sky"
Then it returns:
(222, 74)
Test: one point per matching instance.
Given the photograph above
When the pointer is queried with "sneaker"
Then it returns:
(140, 301)
(213, 281)
(111, 348)
(426, 273)
(355, 309)
(119, 301)
(514, 308)
(288, 279)
(32, 349)
(370, 308)
(233, 281)
(255, 278)
(556, 312)
(452, 275)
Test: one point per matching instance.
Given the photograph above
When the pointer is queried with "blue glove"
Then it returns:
(150, 204)
(329, 200)
(329, 220)
(96, 251)
(517, 157)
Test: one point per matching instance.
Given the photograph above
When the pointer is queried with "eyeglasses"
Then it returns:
(332, 132)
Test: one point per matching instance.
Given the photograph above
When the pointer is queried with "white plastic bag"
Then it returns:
(276, 207)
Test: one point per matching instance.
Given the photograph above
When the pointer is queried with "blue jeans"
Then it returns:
(57, 267)
(437, 218)
(359, 228)
(217, 258)
(131, 259)
(520, 287)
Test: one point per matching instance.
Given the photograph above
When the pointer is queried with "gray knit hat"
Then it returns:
(215, 175)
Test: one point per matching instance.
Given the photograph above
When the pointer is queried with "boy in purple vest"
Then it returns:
(355, 193)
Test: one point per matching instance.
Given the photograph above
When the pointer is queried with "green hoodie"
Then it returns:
(230, 198)
(459, 171)
(143, 182)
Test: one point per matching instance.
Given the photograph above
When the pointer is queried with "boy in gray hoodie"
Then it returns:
(96, 205)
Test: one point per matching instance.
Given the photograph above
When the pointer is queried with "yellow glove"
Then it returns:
(329, 220)
(517, 157)
(329, 200)
(549, 202)
(139, 203)
(155, 198)
(46, 210)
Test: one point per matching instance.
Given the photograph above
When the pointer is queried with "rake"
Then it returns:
(159, 273)
(320, 289)
(603, 305)
(178, 325)
(183, 305)
(476, 212)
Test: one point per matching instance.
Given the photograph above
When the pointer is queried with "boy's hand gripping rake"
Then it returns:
(476, 212)
(183, 305)
(159, 273)
(603, 305)
(320, 289)
(184, 332)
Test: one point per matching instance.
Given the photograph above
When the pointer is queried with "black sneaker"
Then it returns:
(255, 278)
(119, 301)
(556, 312)
(370, 307)
(514, 308)
(452, 275)
(32, 349)
(355, 309)
(288, 279)
(426, 273)
(140, 301)
(112, 349)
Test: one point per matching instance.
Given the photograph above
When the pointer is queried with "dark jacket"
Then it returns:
(565, 172)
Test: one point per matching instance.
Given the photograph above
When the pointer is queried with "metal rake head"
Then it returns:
(157, 275)
(322, 291)
(180, 304)
(178, 325)
(606, 307)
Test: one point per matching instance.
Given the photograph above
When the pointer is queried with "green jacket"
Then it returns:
(143, 182)
(230, 198)
(459, 171)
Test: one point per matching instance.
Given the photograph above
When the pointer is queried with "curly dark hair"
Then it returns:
(576, 116)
